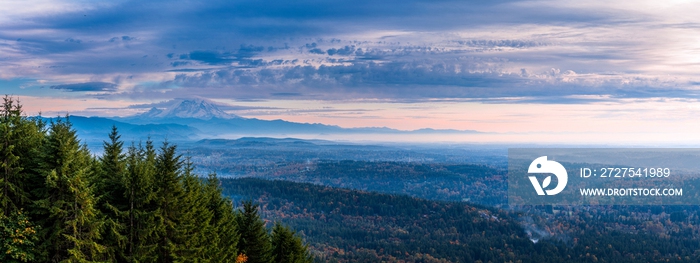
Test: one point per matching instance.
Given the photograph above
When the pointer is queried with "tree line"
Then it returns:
(346, 225)
(61, 203)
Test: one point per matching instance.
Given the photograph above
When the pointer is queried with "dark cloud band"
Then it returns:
(87, 87)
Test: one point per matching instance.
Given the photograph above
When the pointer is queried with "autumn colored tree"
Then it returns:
(17, 238)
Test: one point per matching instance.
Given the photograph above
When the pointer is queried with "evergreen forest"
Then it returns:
(136, 202)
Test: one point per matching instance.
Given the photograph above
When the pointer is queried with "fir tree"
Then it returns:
(20, 141)
(254, 240)
(142, 236)
(168, 192)
(110, 186)
(226, 233)
(195, 232)
(141, 206)
(288, 248)
(20, 138)
(113, 166)
(71, 223)
(10, 190)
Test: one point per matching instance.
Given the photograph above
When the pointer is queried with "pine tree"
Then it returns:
(225, 230)
(113, 166)
(10, 191)
(149, 209)
(168, 193)
(142, 236)
(254, 240)
(70, 222)
(30, 151)
(195, 233)
(20, 139)
(288, 248)
(110, 186)
(141, 206)
(20, 142)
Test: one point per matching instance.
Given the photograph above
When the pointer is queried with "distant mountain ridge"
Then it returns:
(197, 119)
(206, 116)
(94, 130)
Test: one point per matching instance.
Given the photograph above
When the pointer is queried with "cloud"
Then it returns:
(539, 51)
(426, 79)
(317, 51)
(86, 87)
(345, 51)
(122, 38)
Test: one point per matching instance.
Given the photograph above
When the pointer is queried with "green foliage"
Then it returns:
(142, 239)
(194, 232)
(356, 226)
(288, 248)
(255, 241)
(71, 223)
(20, 141)
(225, 238)
(20, 138)
(438, 181)
(9, 183)
(17, 238)
(111, 173)
(168, 193)
(141, 205)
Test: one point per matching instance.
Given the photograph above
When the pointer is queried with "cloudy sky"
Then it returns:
(533, 70)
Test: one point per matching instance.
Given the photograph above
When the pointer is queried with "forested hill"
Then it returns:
(59, 203)
(437, 181)
(355, 226)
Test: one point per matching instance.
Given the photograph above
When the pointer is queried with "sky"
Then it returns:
(545, 71)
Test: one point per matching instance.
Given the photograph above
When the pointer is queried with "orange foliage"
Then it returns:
(242, 258)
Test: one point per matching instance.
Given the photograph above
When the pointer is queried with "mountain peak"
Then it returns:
(188, 108)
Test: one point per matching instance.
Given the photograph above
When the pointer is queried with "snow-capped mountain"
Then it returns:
(188, 108)
(209, 120)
